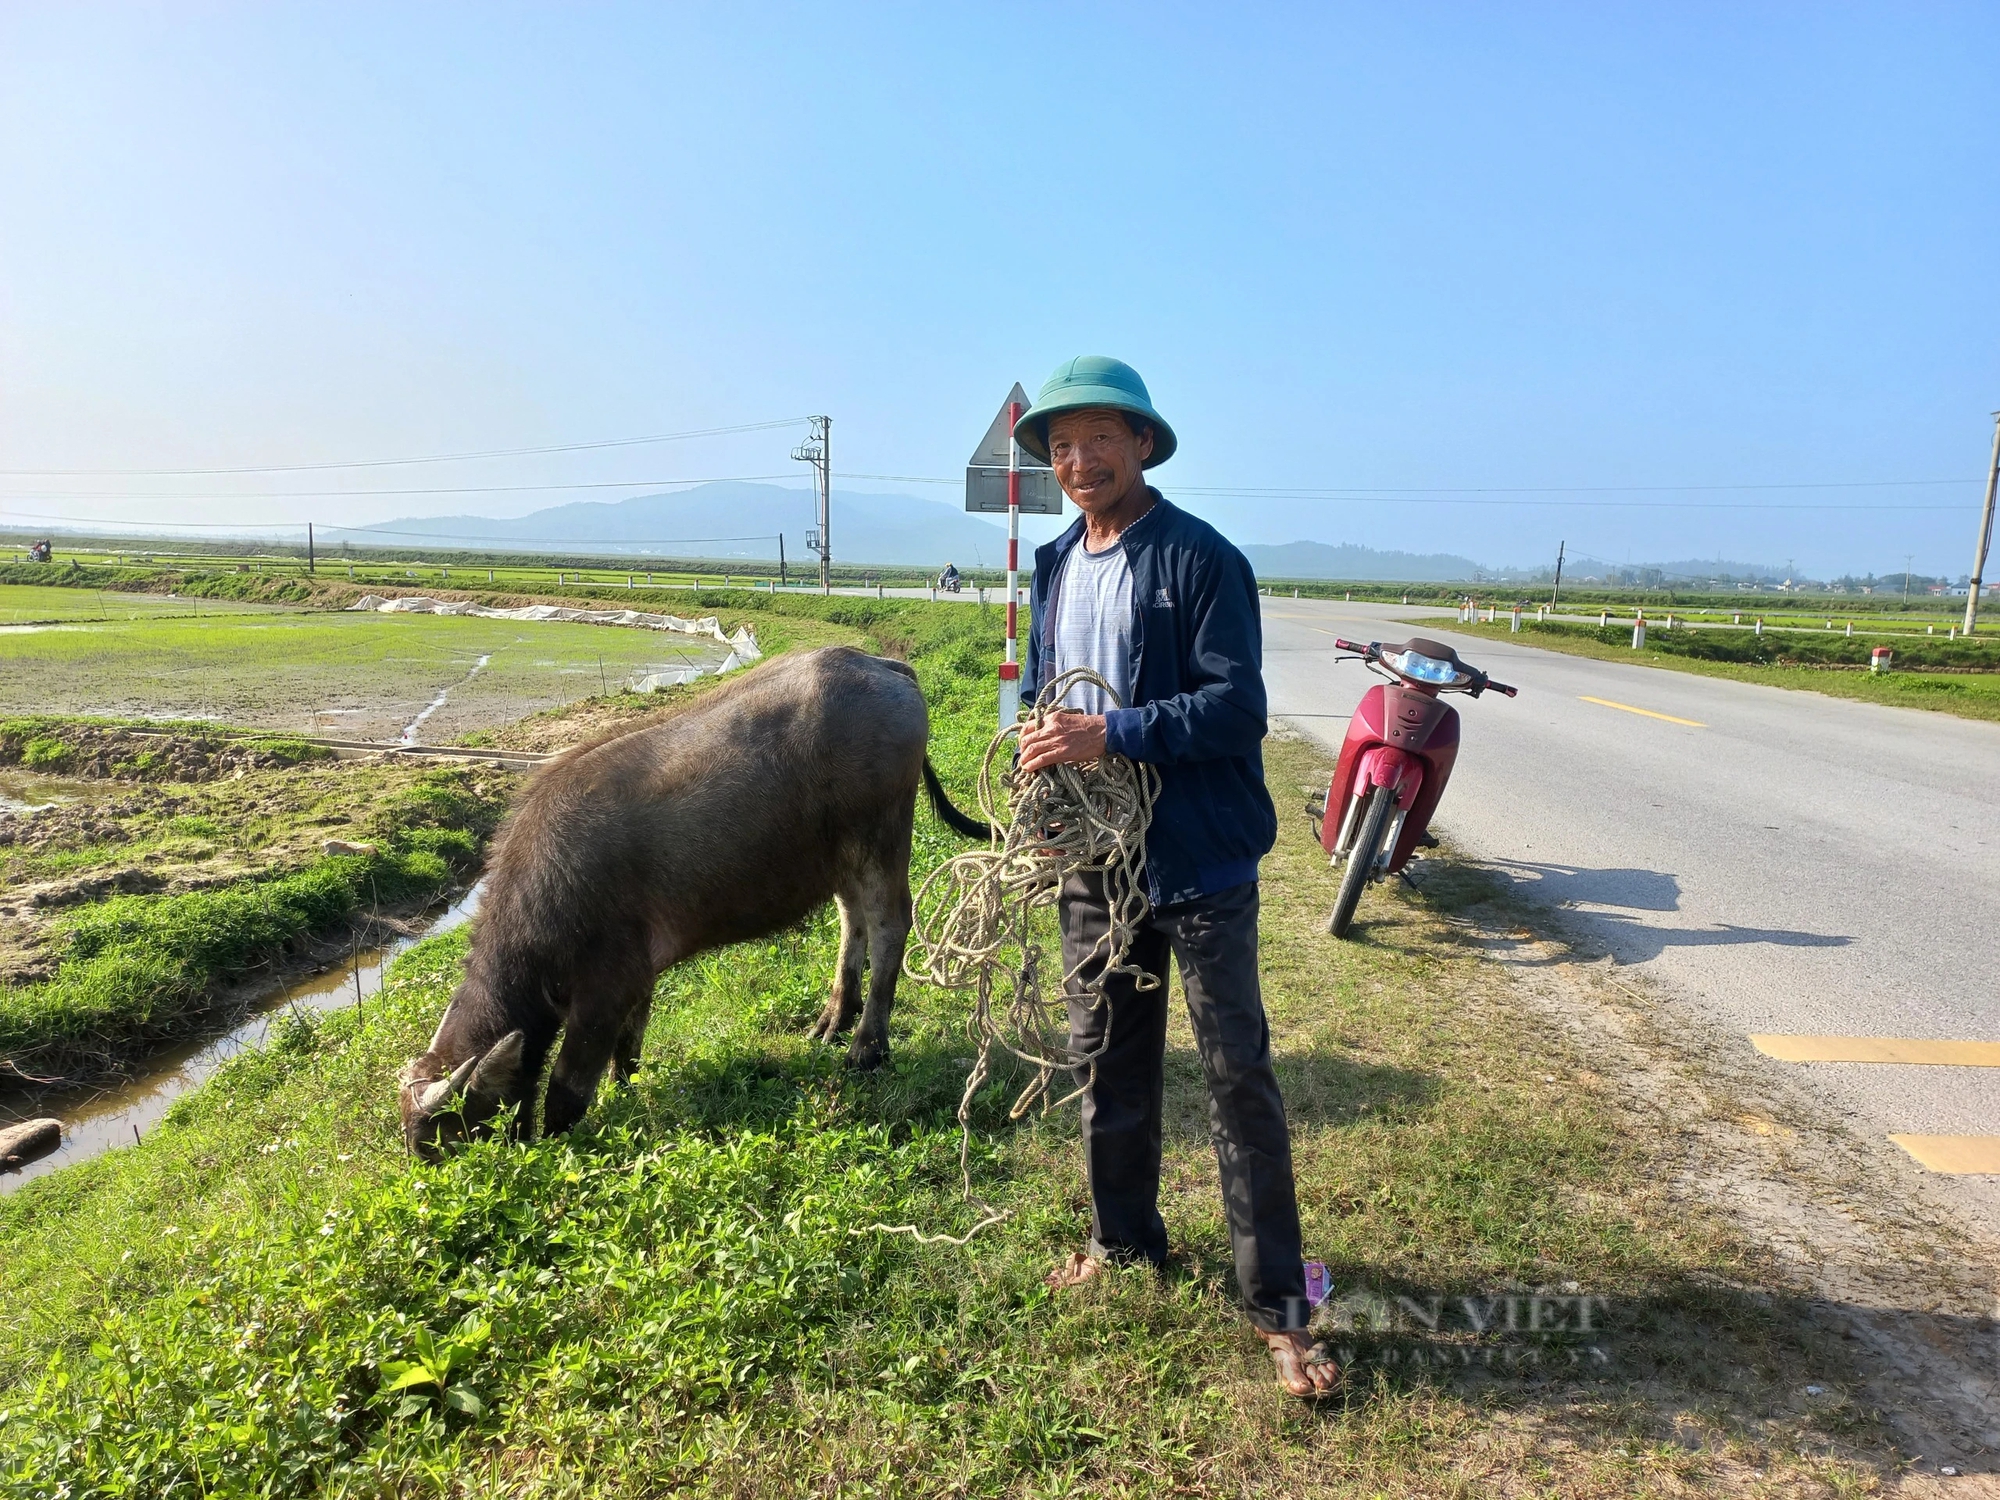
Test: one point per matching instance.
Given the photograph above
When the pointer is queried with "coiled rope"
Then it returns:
(975, 914)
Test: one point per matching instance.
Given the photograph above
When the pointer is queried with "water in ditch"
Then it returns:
(100, 1120)
(30, 791)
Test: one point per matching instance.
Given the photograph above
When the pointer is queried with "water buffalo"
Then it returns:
(792, 784)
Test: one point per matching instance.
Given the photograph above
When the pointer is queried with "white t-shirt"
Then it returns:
(1093, 623)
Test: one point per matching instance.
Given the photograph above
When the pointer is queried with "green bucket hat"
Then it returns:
(1088, 382)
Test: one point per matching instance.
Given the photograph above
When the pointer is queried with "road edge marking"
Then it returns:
(1955, 1155)
(1649, 713)
(1920, 1051)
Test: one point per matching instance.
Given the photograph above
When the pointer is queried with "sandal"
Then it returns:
(1075, 1270)
(1311, 1358)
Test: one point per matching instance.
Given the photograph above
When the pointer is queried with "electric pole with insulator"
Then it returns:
(814, 450)
(1985, 534)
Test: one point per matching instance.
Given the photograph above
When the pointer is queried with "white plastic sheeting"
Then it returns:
(742, 645)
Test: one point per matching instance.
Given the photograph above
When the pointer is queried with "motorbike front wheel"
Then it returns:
(1361, 861)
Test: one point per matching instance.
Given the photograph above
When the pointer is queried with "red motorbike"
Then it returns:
(1393, 765)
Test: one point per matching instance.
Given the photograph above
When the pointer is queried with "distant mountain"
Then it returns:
(722, 521)
(1319, 560)
(732, 519)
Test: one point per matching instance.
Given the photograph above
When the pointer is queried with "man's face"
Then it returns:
(1098, 459)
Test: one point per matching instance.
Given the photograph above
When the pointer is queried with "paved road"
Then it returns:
(1798, 864)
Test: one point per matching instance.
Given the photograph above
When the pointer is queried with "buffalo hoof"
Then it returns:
(866, 1053)
(829, 1026)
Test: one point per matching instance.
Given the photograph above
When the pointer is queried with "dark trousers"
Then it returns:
(1214, 941)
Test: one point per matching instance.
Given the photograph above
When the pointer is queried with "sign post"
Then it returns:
(1010, 669)
(1029, 487)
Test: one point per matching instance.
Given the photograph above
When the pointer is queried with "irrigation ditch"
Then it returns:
(170, 895)
(99, 1119)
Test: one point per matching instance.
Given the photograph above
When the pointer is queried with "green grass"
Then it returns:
(132, 971)
(1827, 625)
(25, 603)
(268, 1297)
(1888, 610)
(1793, 660)
(284, 578)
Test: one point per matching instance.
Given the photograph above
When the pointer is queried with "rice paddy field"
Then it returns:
(29, 604)
(348, 675)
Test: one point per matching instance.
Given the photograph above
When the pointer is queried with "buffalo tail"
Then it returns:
(951, 817)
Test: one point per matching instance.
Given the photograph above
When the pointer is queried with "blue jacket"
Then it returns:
(1197, 697)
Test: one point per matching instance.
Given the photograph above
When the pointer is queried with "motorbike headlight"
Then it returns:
(1424, 668)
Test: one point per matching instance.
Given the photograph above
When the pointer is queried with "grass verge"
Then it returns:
(267, 1297)
(1795, 661)
(103, 982)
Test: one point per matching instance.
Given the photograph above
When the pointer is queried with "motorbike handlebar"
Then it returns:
(1372, 650)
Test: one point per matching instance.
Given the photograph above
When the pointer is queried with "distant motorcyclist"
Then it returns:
(950, 579)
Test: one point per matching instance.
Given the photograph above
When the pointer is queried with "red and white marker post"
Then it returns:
(1010, 669)
(1030, 488)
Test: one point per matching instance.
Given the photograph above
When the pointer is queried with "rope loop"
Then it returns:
(975, 919)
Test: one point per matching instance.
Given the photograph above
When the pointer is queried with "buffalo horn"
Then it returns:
(441, 1093)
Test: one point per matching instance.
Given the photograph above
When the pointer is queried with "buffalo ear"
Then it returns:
(496, 1080)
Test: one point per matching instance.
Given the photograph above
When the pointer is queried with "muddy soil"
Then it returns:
(558, 729)
(244, 812)
(110, 752)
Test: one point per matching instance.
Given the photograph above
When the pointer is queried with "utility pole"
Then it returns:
(781, 560)
(309, 548)
(814, 451)
(1560, 547)
(1909, 558)
(1985, 534)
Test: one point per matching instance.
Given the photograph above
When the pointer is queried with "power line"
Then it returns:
(434, 458)
(1443, 496)
(1385, 496)
(1584, 489)
(233, 528)
(1393, 499)
(573, 541)
(469, 489)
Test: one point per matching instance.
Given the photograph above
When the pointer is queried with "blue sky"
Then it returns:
(1522, 249)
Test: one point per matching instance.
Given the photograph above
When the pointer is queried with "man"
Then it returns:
(1165, 610)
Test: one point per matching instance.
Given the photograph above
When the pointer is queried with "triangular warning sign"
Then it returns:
(992, 450)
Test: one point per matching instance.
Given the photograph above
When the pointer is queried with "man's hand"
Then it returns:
(1064, 736)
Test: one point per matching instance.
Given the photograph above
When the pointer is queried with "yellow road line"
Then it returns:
(1628, 708)
(1957, 1154)
(1879, 1049)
